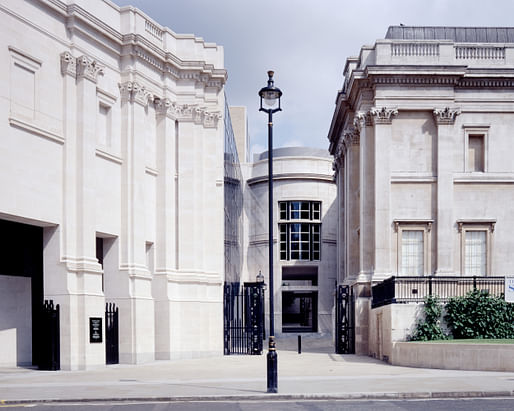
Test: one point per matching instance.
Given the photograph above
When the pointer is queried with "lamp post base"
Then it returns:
(272, 366)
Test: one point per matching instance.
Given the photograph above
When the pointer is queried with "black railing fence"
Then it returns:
(243, 318)
(49, 343)
(112, 341)
(415, 289)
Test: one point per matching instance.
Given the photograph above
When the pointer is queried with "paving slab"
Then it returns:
(315, 374)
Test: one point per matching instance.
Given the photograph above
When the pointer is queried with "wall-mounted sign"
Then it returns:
(509, 289)
(95, 329)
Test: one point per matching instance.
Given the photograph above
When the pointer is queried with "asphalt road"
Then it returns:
(478, 404)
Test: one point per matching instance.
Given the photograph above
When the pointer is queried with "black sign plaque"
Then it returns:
(95, 329)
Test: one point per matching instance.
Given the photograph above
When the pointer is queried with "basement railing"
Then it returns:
(414, 289)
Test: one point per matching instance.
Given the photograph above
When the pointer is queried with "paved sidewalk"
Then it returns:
(313, 374)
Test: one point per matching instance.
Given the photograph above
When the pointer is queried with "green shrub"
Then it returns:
(429, 327)
(479, 315)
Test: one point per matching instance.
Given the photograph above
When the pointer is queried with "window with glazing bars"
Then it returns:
(300, 230)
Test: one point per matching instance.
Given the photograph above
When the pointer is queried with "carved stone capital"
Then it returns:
(88, 68)
(186, 112)
(68, 64)
(162, 107)
(362, 119)
(383, 115)
(446, 115)
(211, 119)
(351, 136)
(134, 92)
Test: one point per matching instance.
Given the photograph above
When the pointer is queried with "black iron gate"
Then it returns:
(243, 318)
(345, 331)
(112, 354)
(49, 341)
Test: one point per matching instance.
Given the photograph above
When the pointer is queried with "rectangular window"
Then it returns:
(475, 253)
(475, 153)
(414, 256)
(412, 252)
(301, 239)
(476, 246)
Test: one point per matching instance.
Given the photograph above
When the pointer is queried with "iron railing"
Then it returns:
(415, 289)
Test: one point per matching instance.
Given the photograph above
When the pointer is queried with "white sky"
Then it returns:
(306, 43)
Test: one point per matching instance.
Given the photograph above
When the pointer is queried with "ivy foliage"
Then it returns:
(429, 327)
(480, 315)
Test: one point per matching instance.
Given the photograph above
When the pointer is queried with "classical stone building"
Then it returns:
(112, 182)
(305, 227)
(422, 141)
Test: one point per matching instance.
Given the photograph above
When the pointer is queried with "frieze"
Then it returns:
(446, 115)
(416, 80)
(134, 92)
(383, 115)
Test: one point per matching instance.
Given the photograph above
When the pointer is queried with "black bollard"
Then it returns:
(299, 344)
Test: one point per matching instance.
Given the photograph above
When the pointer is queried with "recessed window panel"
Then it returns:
(300, 240)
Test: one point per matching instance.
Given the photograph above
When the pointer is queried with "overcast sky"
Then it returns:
(306, 43)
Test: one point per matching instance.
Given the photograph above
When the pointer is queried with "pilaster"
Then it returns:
(166, 249)
(136, 306)
(75, 283)
(366, 217)
(382, 119)
(445, 119)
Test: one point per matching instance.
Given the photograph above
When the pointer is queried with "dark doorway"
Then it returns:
(299, 311)
(21, 256)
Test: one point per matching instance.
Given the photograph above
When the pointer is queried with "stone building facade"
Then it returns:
(421, 138)
(112, 181)
(305, 228)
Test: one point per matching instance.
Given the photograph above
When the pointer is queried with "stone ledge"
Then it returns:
(454, 356)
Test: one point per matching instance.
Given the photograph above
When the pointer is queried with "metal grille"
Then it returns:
(49, 354)
(243, 319)
(112, 355)
(345, 332)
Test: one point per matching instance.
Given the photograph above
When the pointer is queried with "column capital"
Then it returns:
(68, 64)
(351, 136)
(383, 115)
(164, 107)
(135, 93)
(88, 68)
(446, 115)
(362, 119)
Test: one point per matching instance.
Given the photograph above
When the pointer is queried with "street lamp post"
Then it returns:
(270, 96)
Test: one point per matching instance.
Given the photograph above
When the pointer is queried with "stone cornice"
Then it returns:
(485, 82)
(383, 115)
(135, 93)
(169, 64)
(446, 115)
(81, 21)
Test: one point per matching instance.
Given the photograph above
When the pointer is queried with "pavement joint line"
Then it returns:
(276, 397)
